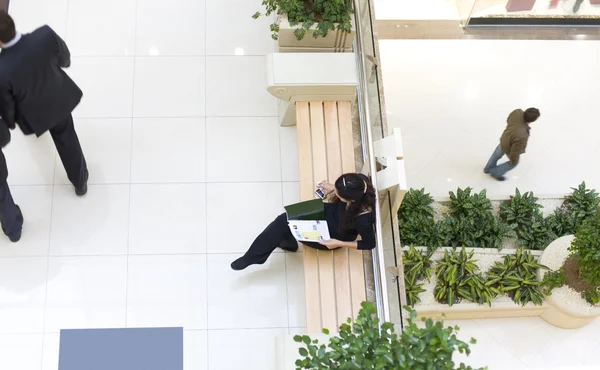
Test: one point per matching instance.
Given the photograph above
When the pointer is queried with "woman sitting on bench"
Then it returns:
(349, 212)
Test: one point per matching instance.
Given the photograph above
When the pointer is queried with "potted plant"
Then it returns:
(311, 25)
(366, 346)
(573, 287)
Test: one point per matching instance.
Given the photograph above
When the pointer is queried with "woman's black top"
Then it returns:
(363, 226)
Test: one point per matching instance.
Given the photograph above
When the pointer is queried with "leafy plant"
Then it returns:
(327, 15)
(465, 204)
(482, 231)
(524, 214)
(458, 278)
(415, 219)
(417, 266)
(363, 346)
(582, 203)
(553, 279)
(561, 222)
(592, 296)
(520, 210)
(516, 276)
(586, 248)
(537, 235)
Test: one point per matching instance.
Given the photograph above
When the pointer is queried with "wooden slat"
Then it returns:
(355, 257)
(326, 273)
(340, 257)
(311, 262)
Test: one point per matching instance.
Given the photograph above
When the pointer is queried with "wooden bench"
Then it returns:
(334, 280)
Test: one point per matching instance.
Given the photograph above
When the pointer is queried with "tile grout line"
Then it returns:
(135, 30)
(207, 363)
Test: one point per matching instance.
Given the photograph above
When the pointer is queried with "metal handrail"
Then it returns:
(381, 297)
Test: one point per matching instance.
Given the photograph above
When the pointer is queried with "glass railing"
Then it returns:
(370, 106)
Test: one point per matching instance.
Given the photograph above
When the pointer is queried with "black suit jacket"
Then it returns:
(34, 90)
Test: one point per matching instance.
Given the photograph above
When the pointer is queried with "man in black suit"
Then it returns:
(37, 95)
(11, 217)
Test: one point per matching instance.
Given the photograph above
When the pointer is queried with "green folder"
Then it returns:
(310, 210)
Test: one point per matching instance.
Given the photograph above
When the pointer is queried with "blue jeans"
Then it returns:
(492, 166)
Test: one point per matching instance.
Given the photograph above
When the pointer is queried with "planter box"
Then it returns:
(560, 312)
(465, 311)
(519, 5)
(335, 42)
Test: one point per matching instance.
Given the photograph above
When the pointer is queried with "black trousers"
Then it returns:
(10, 216)
(69, 149)
(266, 242)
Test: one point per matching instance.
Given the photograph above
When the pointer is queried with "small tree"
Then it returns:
(363, 346)
(586, 248)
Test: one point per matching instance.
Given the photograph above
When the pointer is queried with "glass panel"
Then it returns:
(465, 7)
(369, 97)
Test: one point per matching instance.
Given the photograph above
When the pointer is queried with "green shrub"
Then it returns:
(561, 222)
(586, 248)
(524, 214)
(537, 235)
(465, 204)
(482, 231)
(458, 278)
(553, 279)
(516, 276)
(582, 203)
(415, 219)
(417, 266)
(592, 296)
(327, 15)
(520, 210)
(363, 346)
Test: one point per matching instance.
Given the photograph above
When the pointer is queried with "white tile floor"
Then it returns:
(182, 141)
(451, 99)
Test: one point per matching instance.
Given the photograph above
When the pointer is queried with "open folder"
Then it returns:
(307, 221)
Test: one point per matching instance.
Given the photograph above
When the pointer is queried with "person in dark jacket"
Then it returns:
(512, 143)
(349, 212)
(38, 96)
(11, 217)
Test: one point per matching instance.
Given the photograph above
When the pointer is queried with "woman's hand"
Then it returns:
(331, 243)
(327, 187)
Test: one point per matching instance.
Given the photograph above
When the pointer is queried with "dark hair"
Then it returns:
(356, 188)
(531, 115)
(7, 27)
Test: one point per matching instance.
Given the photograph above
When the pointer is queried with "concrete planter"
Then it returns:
(336, 41)
(564, 311)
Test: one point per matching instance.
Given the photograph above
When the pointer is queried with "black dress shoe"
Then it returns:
(16, 237)
(81, 191)
(239, 264)
(500, 178)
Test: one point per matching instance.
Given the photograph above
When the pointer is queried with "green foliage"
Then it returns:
(561, 222)
(415, 219)
(458, 278)
(586, 248)
(417, 266)
(363, 346)
(471, 222)
(582, 203)
(553, 279)
(592, 296)
(524, 214)
(516, 276)
(520, 210)
(327, 15)
(465, 204)
(537, 235)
